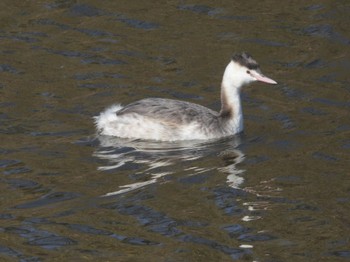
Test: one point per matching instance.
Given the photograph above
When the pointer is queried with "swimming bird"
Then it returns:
(171, 120)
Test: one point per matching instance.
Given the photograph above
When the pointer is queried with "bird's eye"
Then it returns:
(248, 72)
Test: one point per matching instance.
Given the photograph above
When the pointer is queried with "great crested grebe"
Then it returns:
(171, 120)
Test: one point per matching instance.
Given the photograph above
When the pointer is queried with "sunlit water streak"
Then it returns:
(154, 155)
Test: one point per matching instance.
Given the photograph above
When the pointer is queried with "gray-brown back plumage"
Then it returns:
(175, 113)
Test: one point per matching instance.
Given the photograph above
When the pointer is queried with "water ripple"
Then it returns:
(326, 31)
(85, 10)
(201, 9)
(42, 238)
(158, 157)
(48, 199)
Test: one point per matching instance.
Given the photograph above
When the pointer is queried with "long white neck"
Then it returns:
(231, 108)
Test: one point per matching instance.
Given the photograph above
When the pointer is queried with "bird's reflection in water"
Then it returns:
(160, 159)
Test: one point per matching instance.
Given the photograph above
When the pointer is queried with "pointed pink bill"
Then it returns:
(262, 78)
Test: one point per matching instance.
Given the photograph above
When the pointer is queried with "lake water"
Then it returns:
(278, 192)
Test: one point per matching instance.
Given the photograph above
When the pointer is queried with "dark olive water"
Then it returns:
(278, 192)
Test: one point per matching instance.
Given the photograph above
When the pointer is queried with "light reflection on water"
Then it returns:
(159, 157)
(156, 162)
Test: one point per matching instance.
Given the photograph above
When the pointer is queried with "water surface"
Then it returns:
(278, 192)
